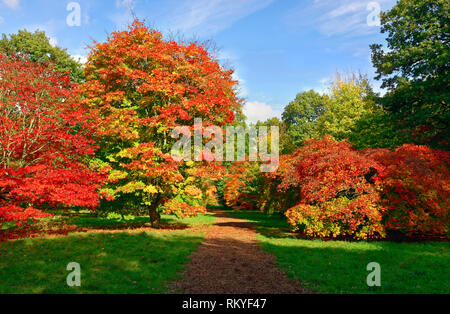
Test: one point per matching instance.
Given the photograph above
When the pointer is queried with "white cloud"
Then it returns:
(13, 4)
(255, 110)
(125, 3)
(341, 17)
(2, 20)
(124, 17)
(79, 58)
(207, 17)
(321, 86)
(242, 89)
(52, 40)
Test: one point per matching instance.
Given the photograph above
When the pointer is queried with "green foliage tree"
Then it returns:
(37, 48)
(350, 99)
(378, 129)
(286, 145)
(302, 114)
(415, 67)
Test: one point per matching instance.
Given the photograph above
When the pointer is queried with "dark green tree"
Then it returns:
(301, 116)
(415, 68)
(37, 48)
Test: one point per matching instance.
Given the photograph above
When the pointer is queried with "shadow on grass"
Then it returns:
(273, 225)
(122, 224)
(169, 222)
(110, 263)
(336, 266)
(340, 267)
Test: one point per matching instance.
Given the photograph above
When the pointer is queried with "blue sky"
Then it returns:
(277, 47)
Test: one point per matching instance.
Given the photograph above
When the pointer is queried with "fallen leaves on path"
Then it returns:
(230, 261)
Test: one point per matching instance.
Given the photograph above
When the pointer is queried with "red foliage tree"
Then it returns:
(43, 142)
(416, 189)
(338, 191)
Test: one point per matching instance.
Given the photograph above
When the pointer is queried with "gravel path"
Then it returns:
(231, 261)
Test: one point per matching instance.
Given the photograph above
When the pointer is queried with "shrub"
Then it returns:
(415, 187)
(338, 191)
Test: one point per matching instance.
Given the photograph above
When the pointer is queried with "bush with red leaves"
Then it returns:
(415, 188)
(338, 191)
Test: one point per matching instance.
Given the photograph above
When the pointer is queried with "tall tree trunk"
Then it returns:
(155, 216)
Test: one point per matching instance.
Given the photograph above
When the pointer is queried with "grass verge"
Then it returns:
(340, 266)
(119, 262)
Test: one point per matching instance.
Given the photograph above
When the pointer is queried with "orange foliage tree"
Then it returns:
(140, 86)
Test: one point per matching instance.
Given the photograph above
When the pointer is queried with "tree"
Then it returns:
(36, 47)
(378, 129)
(285, 140)
(140, 86)
(338, 191)
(44, 142)
(415, 68)
(350, 98)
(301, 116)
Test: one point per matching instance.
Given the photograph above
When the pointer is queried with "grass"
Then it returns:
(340, 266)
(90, 221)
(120, 262)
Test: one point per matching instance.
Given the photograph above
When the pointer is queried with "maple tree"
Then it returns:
(338, 191)
(241, 180)
(140, 86)
(415, 188)
(44, 142)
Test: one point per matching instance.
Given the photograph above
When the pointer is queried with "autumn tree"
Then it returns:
(415, 187)
(414, 67)
(338, 191)
(44, 142)
(140, 86)
(36, 47)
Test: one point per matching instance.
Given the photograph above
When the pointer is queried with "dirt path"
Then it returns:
(231, 261)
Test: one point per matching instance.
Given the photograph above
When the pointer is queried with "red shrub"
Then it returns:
(338, 191)
(415, 187)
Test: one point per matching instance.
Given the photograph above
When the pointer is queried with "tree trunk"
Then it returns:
(155, 216)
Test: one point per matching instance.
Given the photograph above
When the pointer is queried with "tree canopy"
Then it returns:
(36, 47)
(301, 116)
(415, 67)
(140, 86)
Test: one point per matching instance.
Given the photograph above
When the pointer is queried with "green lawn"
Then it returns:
(122, 262)
(90, 221)
(340, 266)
